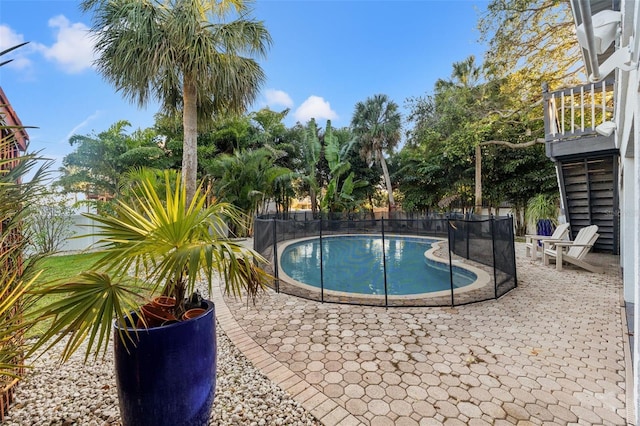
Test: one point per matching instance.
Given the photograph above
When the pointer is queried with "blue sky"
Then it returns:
(326, 57)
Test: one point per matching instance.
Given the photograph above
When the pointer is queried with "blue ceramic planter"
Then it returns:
(544, 227)
(169, 377)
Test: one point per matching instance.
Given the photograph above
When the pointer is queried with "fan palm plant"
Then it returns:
(156, 243)
(184, 53)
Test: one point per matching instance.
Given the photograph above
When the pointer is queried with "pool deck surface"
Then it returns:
(553, 351)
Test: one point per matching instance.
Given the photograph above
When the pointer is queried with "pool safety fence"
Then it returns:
(482, 245)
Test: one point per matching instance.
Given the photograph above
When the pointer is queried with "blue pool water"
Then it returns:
(354, 264)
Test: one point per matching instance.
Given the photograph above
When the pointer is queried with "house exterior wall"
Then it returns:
(627, 119)
(628, 132)
(627, 214)
(634, 229)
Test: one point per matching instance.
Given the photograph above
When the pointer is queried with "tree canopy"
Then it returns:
(476, 116)
(377, 125)
(194, 56)
(98, 161)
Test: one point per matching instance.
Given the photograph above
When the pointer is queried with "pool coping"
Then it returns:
(483, 279)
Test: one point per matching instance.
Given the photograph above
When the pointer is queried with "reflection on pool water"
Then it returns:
(354, 264)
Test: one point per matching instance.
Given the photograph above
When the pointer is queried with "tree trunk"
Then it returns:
(190, 143)
(479, 179)
(387, 181)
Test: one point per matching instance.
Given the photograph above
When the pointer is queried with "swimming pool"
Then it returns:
(354, 264)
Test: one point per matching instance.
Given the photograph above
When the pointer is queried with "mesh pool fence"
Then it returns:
(482, 244)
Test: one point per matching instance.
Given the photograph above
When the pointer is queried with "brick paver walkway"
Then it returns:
(550, 352)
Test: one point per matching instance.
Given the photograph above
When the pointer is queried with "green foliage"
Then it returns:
(49, 223)
(516, 175)
(98, 161)
(269, 124)
(532, 39)
(423, 178)
(62, 266)
(194, 57)
(541, 207)
(310, 150)
(377, 124)
(338, 196)
(230, 134)
(473, 108)
(168, 242)
(247, 179)
(17, 274)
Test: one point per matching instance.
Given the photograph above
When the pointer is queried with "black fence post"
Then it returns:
(493, 260)
(513, 251)
(501, 242)
(321, 266)
(384, 267)
(449, 227)
(467, 227)
(295, 227)
(275, 256)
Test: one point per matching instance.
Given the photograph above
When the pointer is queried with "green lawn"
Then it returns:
(65, 266)
(58, 267)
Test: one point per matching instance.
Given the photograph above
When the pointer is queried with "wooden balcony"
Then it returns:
(586, 160)
(571, 117)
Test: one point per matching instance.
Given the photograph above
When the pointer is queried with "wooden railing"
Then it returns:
(577, 111)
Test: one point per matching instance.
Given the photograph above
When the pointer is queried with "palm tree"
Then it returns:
(184, 54)
(377, 124)
(247, 179)
(464, 84)
(465, 74)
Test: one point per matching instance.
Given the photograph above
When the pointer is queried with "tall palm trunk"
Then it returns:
(387, 181)
(479, 179)
(190, 143)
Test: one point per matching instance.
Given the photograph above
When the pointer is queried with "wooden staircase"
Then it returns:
(586, 158)
(589, 193)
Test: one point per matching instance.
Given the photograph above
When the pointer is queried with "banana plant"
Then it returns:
(311, 150)
(339, 192)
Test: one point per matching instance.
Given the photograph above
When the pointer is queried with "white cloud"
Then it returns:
(8, 39)
(275, 97)
(73, 49)
(315, 107)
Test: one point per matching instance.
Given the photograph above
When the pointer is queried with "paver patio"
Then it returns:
(554, 351)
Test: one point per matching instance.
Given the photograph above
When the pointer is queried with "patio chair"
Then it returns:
(574, 251)
(532, 242)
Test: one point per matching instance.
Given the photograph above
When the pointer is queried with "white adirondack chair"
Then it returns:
(574, 251)
(531, 241)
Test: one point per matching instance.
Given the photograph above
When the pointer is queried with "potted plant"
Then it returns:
(542, 213)
(156, 243)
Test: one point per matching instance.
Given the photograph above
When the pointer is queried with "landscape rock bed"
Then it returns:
(75, 393)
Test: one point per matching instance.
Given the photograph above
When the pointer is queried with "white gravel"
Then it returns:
(74, 393)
